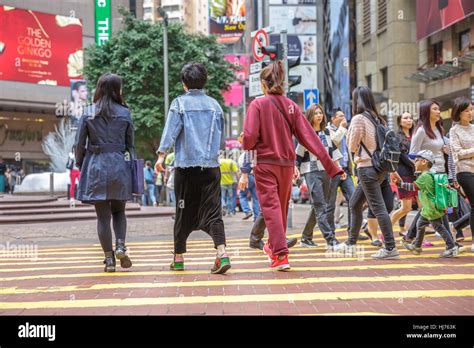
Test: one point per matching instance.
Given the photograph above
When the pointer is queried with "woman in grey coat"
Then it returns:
(104, 134)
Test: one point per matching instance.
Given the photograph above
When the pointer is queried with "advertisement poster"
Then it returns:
(309, 77)
(235, 95)
(79, 99)
(227, 19)
(296, 19)
(303, 46)
(39, 48)
(435, 15)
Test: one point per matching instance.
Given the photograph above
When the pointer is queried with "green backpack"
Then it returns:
(445, 197)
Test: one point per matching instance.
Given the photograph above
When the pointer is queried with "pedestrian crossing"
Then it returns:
(69, 279)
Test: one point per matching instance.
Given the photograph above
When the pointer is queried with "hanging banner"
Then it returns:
(433, 16)
(103, 21)
(39, 48)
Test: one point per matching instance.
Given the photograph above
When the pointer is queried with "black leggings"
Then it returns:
(105, 210)
(466, 180)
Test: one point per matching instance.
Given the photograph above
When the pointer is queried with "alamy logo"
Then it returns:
(37, 331)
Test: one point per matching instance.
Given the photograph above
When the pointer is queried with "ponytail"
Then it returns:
(273, 76)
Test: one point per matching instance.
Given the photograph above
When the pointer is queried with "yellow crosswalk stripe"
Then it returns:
(200, 242)
(156, 256)
(308, 296)
(239, 282)
(394, 265)
(197, 251)
(262, 259)
(349, 313)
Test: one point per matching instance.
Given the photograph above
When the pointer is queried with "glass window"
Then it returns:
(464, 40)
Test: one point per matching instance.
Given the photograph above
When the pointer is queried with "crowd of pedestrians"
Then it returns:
(281, 146)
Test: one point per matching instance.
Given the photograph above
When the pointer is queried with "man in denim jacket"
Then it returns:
(195, 127)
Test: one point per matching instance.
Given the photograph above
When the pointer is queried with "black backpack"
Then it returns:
(386, 156)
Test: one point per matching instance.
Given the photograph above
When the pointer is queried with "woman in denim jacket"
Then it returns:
(195, 127)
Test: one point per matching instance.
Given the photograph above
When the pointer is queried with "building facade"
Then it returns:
(445, 56)
(387, 52)
(409, 51)
(193, 14)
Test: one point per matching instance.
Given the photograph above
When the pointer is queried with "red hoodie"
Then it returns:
(268, 132)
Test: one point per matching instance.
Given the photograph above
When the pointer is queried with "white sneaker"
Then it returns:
(438, 235)
(472, 247)
(386, 255)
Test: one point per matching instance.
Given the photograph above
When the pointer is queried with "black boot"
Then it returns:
(121, 253)
(109, 262)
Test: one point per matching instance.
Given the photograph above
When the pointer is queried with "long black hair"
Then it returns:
(424, 119)
(107, 92)
(363, 101)
(460, 104)
(399, 123)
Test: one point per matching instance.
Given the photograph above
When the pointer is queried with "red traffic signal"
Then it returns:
(275, 52)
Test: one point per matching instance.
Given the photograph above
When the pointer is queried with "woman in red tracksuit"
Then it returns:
(270, 123)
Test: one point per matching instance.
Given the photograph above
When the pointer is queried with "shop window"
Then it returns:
(438, 53)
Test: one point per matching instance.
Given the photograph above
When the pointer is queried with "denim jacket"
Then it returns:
(195, 126)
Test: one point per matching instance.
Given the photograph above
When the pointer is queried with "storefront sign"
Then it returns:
(103, 21)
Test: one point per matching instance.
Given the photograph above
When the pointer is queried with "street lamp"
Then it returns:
(164, 15)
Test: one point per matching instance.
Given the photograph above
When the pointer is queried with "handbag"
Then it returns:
(138, 182)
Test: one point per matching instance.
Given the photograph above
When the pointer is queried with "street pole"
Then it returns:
(164, 15)
(165, 64)
(284, 41)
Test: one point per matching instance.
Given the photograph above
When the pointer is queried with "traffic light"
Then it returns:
(275, 52)
(293, 80)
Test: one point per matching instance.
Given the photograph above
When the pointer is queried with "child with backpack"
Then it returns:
(435, 198)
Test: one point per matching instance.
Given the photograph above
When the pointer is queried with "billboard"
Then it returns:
(435, 15)
(227, 19)
(39, 48)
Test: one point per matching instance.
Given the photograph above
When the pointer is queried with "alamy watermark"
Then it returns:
(398, 108)
(18, 251)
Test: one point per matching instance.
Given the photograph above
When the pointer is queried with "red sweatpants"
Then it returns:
(73, 174)
(274, 192)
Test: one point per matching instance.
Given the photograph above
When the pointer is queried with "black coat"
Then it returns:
(101, 143)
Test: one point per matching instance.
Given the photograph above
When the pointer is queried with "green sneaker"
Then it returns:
(177, 264)
(221, 265)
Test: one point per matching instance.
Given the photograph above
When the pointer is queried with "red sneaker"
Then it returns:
(280, 263)
(268, 251)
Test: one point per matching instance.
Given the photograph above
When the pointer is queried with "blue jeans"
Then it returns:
(318, 185)
(243, 198)
(150, 191)
(234, 197)
(227, 192)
